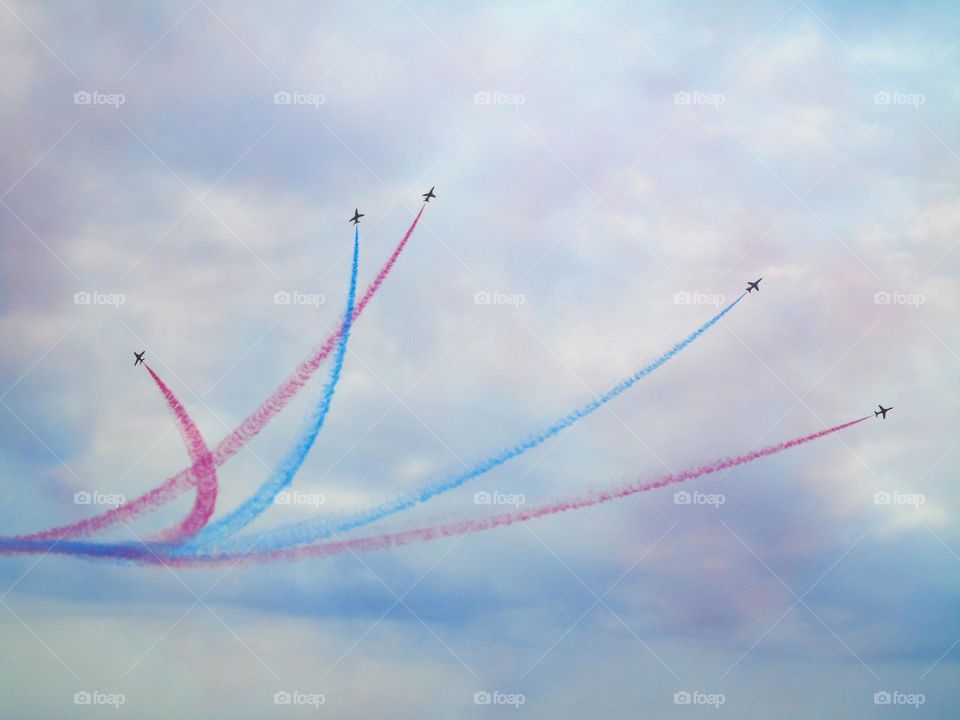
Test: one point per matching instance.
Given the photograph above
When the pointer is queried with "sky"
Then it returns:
(609, 175)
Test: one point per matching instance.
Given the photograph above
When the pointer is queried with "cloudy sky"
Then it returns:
(609, 174)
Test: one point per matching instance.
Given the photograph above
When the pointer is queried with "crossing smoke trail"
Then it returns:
(200, 456)
(285, 471)
(239, 436)
(465, 527)
(156, 555)
(312, 530)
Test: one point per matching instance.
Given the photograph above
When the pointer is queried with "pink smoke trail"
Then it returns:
(158, 554)
(464, 527)
(238, 437)
(206, 471)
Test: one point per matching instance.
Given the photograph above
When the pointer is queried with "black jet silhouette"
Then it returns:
(429, 194)
(755, 285)
(882, 411)
(139, 357)
(356, 216)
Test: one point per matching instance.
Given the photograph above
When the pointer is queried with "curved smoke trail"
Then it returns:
(157, 555)
(309, 531)
(287, 468)
(199, 453)
(556, 507)
(239, 436)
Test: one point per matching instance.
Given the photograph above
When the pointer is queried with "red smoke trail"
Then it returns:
(157, 554)
(206, 471)
(464, 527)
(238, 437)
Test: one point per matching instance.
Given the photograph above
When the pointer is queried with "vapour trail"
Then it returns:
(287, 468)
(239, 436)
(199, 453)
(556, 507)
(309, 531)
(158, 555)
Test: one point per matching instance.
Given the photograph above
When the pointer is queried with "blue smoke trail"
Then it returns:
(147, 554)
(285, 471)
(318, 528)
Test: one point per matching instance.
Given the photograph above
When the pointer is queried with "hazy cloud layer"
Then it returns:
(612, 173)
